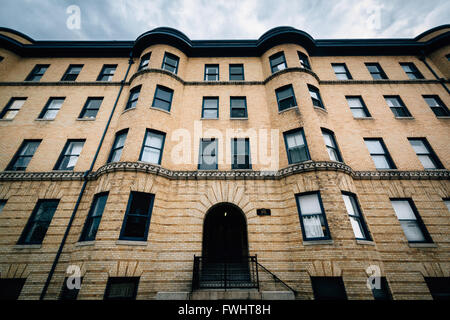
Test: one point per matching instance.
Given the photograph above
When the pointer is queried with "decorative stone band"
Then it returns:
(229, 175)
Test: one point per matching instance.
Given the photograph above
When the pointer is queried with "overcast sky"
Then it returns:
(223, 19)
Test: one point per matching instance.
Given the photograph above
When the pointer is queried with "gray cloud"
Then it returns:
(224, 19)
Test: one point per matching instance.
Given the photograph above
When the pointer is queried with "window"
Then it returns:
(312, 216)
(411, 71)
(446, 201)
(163, 98)
(211, 72)
(72, 72)
(107, 72)
(144, 61)
(94, 216)
(425, 153)
(304, 62)
(238, 107)
(119, 288)
(170, 62)
(12, 108)
(208, 154)
(376, 71)
(439, 287)
(236, 72)
(37, 72)
(332, 147)
(277, 62)
(69, 156)
(137, 217)
(153, 146)
(119, 142)
(397, 106)
(70, 293)
(39, 222)
(91, 108)
(2, 204)
(357, 107)
(438, 107)
(356, 218)
(315, 97)
(285, 97)
(10, 288)
(133, 97)
(328, 288)
(410, 220)
(379, 154)
(210, 108)
(341, 71)
(296, 148)
(240, 153)
(23, 156)
(51, 109)
(383, 292)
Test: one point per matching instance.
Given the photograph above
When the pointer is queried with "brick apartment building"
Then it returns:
(170, 168)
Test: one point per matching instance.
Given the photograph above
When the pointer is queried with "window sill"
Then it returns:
(422, 245)
(443, 117)
(365, 242)
(131, 243)
(317, 242)
(209, 118)
(27, 246)
(6, 119)
(85, 243)
(158, 109)
(44, 119)
(143, 162)
(85, 119)
(236, 118)
(291, 108)
(321, 109)
(364, 118)
(129, 109)
(404, 118)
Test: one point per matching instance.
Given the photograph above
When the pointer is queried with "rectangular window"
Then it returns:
(211, 72)
(208, 154)
(304, 62)
(425, 153)
(210, 108)
(411, 71)
(285, 97)
(328, 288)
(119, 142)
(51, 109)
(12, 108)
(72, 72)
(91, 108)
(356, 218)
(2, 204)
(107, 72)
(382, 292)
(38, 222)
(410, 220)
(240, 153)
(315, 97)
(144, 61)
(439, 287)
(67, 293)
(236, 72)
(69, 156)
(296, 148)
(94, 216)
(277, 62)
(379, 153)
(238, 107)
(163, 98)
(341, 71)
(153, 146)
(10, 288)
(397, 106)
(23, 156)
(137, 217)
(170, 62)
(312, 216)
(447, 203)
(376, 71)
(119, 288)
(133, 98)
(357, 107)
(437, 106)
(332, 147)
(37, 72)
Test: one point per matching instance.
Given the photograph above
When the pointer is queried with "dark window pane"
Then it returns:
(121, 288)
(439, 287)
(39, 222)
(328, 288)
(137, 217)
(383, 292)
(72, 292)
(10, 288)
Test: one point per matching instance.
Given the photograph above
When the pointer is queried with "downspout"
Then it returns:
(83, 187)
(441, 80)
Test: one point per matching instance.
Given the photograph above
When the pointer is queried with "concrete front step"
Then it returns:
(237, 294)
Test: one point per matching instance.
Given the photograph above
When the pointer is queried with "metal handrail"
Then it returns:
(276, 278)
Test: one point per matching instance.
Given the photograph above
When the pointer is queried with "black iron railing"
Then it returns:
(212, 273)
